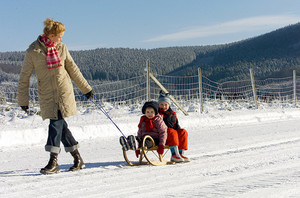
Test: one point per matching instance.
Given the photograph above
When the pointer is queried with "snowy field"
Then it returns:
(235, 151)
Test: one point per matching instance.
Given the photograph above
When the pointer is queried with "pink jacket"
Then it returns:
(159, 131)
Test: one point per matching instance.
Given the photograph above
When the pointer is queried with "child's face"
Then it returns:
(164, 105)
(149, 112)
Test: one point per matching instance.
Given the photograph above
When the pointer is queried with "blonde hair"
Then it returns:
(53, 27)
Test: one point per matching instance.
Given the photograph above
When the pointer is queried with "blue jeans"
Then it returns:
(59, 132)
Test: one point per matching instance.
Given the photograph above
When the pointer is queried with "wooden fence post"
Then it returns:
(166, 91)
(253, 88)
(148, 80)
(200, 90)
(295, 86)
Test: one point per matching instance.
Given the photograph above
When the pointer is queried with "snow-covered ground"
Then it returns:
(235, 152)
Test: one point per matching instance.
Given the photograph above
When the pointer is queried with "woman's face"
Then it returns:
(56, 39)
(150, 112)
(164, 105)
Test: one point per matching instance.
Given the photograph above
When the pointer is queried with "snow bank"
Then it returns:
(18, 129)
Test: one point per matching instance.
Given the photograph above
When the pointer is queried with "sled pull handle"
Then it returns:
(99, 106)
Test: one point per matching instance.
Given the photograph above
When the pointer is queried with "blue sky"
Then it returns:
(143, 24)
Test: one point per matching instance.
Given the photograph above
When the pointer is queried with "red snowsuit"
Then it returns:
(176, 135)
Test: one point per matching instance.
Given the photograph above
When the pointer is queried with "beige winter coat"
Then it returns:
(55, 88)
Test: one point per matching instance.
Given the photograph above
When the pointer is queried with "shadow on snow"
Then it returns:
(64, 168)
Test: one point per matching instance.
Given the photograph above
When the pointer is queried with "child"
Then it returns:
(177, 137)
(151, 123)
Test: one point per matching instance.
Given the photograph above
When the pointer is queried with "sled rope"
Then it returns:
(99, 106)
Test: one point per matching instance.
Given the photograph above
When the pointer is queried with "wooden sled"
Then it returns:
(147, 155)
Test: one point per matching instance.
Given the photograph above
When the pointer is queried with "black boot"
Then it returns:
(132, 143)
(78, 162)
(52, 166)
(124, 143)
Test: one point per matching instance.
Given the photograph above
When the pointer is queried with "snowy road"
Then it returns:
(258, 159)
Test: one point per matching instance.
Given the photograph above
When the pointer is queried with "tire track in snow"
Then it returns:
(264, 145)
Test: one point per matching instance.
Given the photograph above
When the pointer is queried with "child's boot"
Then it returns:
(175, 154)
(124, 143)
(131, 141)
(181, 152)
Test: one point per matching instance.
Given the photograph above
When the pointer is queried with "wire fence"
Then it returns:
(183, 88)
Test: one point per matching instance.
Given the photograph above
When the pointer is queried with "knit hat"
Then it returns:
(152, 104)
(164, 97)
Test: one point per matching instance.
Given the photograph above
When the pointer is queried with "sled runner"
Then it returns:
(147, 155)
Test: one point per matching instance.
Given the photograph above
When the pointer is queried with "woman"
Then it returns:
(54, 68)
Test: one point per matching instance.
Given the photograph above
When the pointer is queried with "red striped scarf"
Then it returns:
(53, 59)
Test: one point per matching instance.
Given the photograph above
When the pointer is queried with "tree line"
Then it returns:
(267, 54)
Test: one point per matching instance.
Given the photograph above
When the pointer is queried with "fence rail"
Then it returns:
(182, 88)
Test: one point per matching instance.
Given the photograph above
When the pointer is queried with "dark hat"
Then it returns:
(152, 104)
(164, 97)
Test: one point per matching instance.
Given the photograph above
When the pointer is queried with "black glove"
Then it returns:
(89, 94)
(24, 108)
